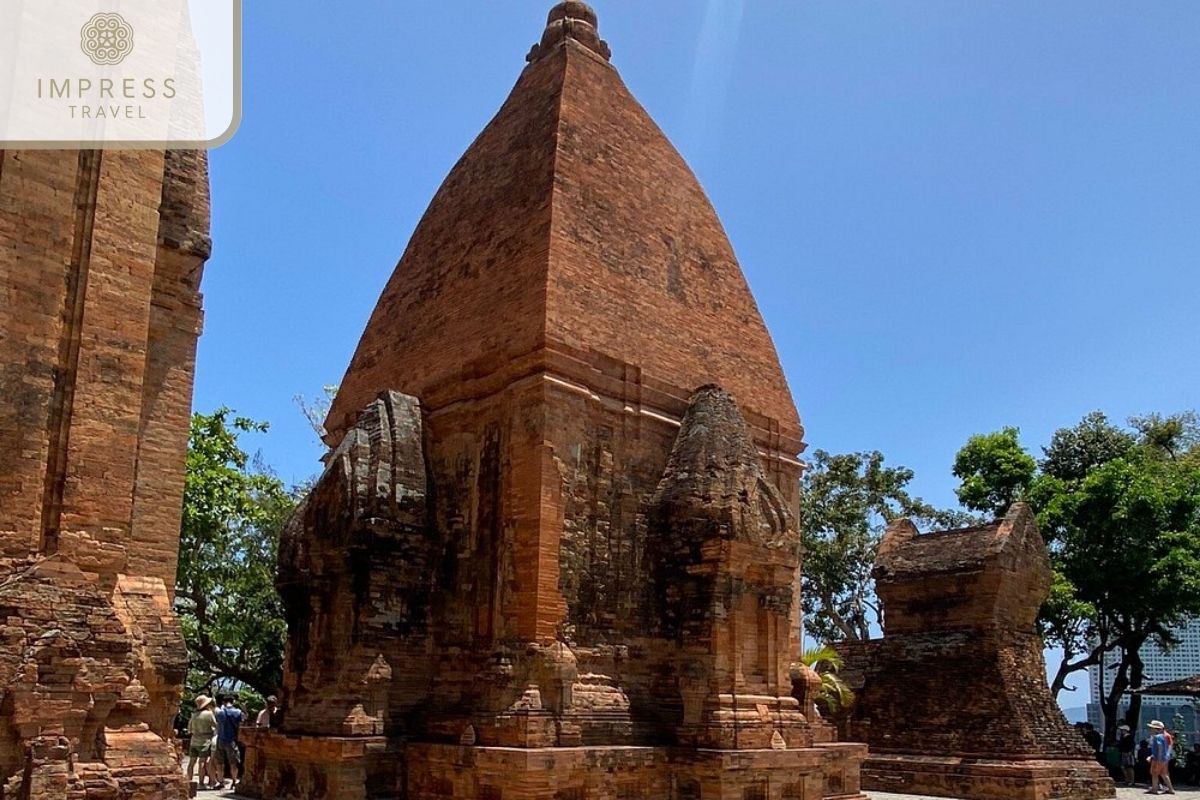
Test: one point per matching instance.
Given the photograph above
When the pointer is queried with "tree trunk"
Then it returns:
(1112, 702)
(1068, 668)
(212, 657)
(837, 619)
(1130, 647)
(1136, 674)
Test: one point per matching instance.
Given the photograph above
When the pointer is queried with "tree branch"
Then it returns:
(1066, 667)
(842, 624)
(212, 654)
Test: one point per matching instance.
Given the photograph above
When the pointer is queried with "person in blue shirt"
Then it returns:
(229, 722)
(1160, 758)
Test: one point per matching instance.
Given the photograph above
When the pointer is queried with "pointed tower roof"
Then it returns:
(571, 239)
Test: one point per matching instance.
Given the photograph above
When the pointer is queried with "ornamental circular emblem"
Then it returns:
(106, 38)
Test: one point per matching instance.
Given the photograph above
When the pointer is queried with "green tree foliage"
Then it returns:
(1068, 623)
(1120, 511)
(834, 698)
(846, 502)
(234, 510)
(995, 471)
(1074, 452)
(1176, 436)
(1128, 538)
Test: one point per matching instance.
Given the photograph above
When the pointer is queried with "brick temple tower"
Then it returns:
(554, 552)
(100, 260)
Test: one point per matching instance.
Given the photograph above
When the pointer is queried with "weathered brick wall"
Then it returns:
(402, 632)
(614, 583)
(953, 699)
(638, 254)
(356, 577)
(991, 576)
(99, 324)
(100, 262)
(478, 255)
(561, 544)
(966, 694)
(572, 218)
(609, 463)
(166, 401)
(39, 196)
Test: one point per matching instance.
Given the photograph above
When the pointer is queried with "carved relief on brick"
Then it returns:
(356, 564)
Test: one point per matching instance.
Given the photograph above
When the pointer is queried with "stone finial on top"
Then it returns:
(571, 19)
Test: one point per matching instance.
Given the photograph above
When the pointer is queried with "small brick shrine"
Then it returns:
(953, 699)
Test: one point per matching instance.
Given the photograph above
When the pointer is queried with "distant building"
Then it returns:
(1161, 665)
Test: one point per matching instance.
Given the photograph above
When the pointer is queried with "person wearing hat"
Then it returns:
(1160, 758)
(202, 727)
(1126, 747)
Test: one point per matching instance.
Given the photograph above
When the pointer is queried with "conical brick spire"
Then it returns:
(571, 238)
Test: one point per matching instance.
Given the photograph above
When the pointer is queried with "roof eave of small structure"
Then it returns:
(1182, 687)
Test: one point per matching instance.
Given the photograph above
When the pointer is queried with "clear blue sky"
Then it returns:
(955, 216)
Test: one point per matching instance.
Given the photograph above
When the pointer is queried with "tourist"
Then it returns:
(268, 713)
(202, 728)
(229, 757)
(1160, 758)
(1126, 745)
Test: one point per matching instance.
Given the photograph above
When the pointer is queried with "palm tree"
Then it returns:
(834, 697)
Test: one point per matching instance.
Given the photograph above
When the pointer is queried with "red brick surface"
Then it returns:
(573, 220)
(602, 600)
(953, 699)
(100, 257)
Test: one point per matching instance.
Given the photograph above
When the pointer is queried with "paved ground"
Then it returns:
(1123, 793)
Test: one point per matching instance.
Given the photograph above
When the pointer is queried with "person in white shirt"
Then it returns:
(264, 716)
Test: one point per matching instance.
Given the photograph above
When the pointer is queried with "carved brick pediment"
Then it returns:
(714, 486)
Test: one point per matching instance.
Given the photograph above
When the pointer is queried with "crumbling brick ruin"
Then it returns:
(953, 699)
(100, 261)
(540, 562)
